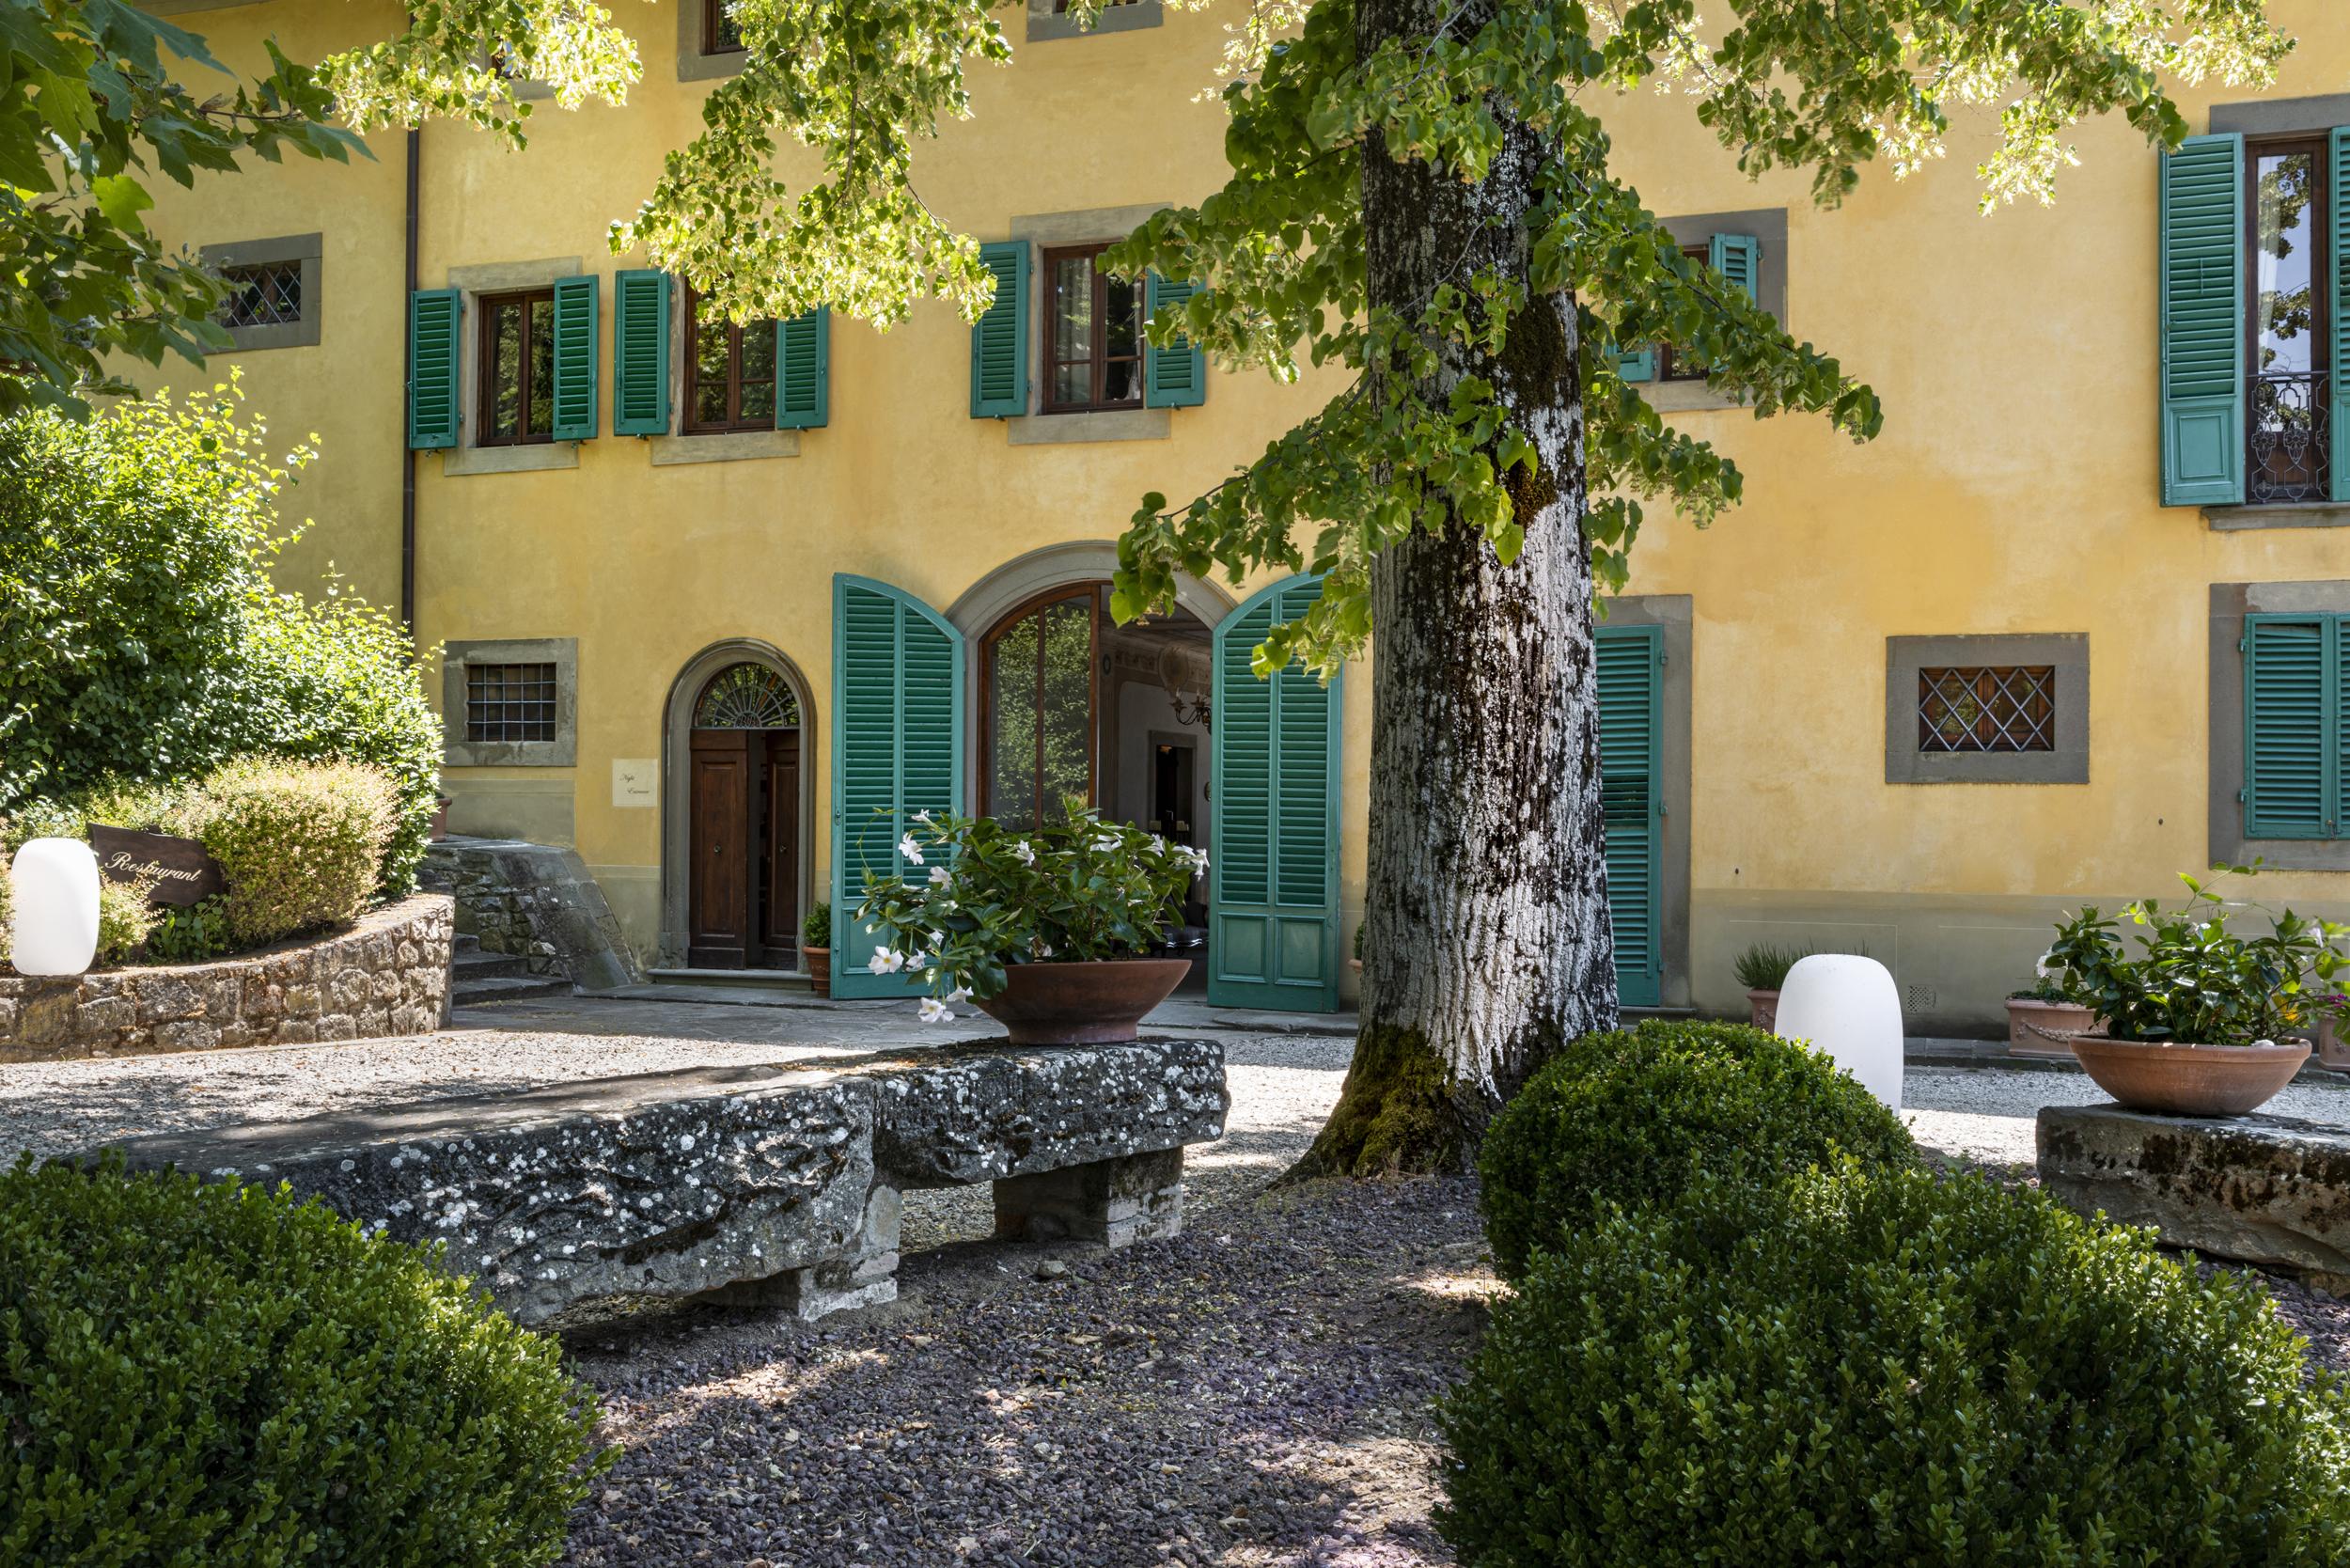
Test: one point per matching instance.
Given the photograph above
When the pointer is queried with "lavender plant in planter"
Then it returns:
(1048, 929)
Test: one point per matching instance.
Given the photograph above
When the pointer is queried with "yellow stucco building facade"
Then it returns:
(1918, 696)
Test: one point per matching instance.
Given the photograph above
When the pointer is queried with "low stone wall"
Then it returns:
(388, 975)
(535, 903)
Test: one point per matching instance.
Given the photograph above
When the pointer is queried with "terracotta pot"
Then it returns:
(1355, 965)
(2059, 1018)
(2190, 1080)
(440, 819)
(1082, 1004)
(2332, 1050)
(818, 961)
(1763, 1009)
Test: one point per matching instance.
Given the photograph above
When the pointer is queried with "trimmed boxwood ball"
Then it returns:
(1632, 1115)
(1892, 1369)
(206, 1375)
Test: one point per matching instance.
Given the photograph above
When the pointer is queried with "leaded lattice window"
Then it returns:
(746, 697)
(266, 294)
(1987, 707)
(510, 702)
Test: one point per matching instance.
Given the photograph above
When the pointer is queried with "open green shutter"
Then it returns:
(575, 357)
(2339, 207)
(434, 416)
(1175, 376)
(803, 370)
(2202, 285)
(2293, 726)
(999, 338)
(1274, 847)
(1631, 700)
(1637, 365)
(1739, 259)
(898, 749)
(640, 354)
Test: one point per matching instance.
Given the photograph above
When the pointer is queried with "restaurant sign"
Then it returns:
(181, 874)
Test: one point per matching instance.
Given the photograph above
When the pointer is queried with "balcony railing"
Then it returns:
(2289, 439)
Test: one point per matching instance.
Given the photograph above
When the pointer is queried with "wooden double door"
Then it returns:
(744, 894)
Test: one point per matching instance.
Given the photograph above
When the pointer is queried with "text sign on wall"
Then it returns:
(182, 872)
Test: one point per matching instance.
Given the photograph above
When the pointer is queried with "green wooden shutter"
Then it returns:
(1640, 364)
(434, 416)
(1273, 845)
(1175, 376)
(999, 338)
(2202, 285)
(2339, 197)
(1739, 259)
(898, 749)
(2293, 726)
(575, 357)
(803, 370)
(1631, 697)
(640, 354)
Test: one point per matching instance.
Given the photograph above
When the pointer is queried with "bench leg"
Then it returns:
(1115, 1203)
(865, 1277)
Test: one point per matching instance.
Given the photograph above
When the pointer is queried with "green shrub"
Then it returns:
(1888, 1369)
(1634, 1115)
(125, 919)
(192, 934)
(816, 928)
(142, 639)
(205, 1375)
(299, 843)
(1764, 965)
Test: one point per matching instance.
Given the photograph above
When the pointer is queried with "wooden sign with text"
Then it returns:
(182, 872)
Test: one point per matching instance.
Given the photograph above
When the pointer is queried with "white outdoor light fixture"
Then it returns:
(55, 908)
(1848, 1007)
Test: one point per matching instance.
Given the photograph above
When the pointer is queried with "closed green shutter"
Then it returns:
(434, 416)
(576, 358)
(1175, 376)
(640, 354)
(1631, 695)
(2295, 726)
(898, 749)
(999, 338)
(2339, 208)
(1637, 365)
(803, 370)
(1273, 845)
(1739, 259)
(2201, 283)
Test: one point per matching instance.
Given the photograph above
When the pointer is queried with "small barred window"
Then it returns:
(1987, 707)
(510, 702)
(266, 294)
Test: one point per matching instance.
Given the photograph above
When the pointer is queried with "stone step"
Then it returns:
(460, 946)
(481, 965)
(508, 988)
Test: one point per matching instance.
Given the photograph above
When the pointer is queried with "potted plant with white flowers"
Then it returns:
(1049, 929)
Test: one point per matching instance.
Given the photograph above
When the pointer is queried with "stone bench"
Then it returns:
(778, 1184)
(2270, 1190)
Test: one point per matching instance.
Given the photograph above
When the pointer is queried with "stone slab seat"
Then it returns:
(770, 1184)
(2271, 1190)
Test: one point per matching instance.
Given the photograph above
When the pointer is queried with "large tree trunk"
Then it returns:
(1487, 942)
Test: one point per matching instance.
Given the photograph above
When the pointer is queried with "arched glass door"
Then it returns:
(1039, 686)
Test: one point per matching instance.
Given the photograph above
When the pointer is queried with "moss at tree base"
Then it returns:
(1399, 1114)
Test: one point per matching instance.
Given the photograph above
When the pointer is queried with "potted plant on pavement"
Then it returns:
(1043, 927)
(2041, 1020)
(815, 948)
(2203, 1022)
(1761, 969)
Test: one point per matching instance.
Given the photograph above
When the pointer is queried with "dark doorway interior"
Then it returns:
(742, 892)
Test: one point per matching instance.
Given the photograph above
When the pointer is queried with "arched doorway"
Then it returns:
(738, 818)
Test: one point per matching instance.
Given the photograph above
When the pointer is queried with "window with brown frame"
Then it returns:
(730, 373)
(720, 36)
(2286, 311)
(1674, 364)
(517, 369)
(1038, 693)
(1092, 334)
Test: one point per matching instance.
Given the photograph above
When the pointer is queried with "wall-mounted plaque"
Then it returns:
(182, 872)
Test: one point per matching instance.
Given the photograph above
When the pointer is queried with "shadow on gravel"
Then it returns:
(1256, 1392)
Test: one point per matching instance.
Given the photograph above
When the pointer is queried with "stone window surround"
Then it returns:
(1674, 612)
(1036, 428)
(676, 446)
(304, 249)
(2280, 117)
(1766, 224)
(498, 277)
(2230, 604)
(692, 64)
(1044, 25)
(560, 752)
(1906, 762)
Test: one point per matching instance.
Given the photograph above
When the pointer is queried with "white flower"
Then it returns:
(910, 850)
(1022, 852)
(917, 960)
(885, 961)
(2046, 968)
(1105, 842)
(959, 994)
(1044, 950)
(940, 876)
(935, 1011)
(923, 815)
